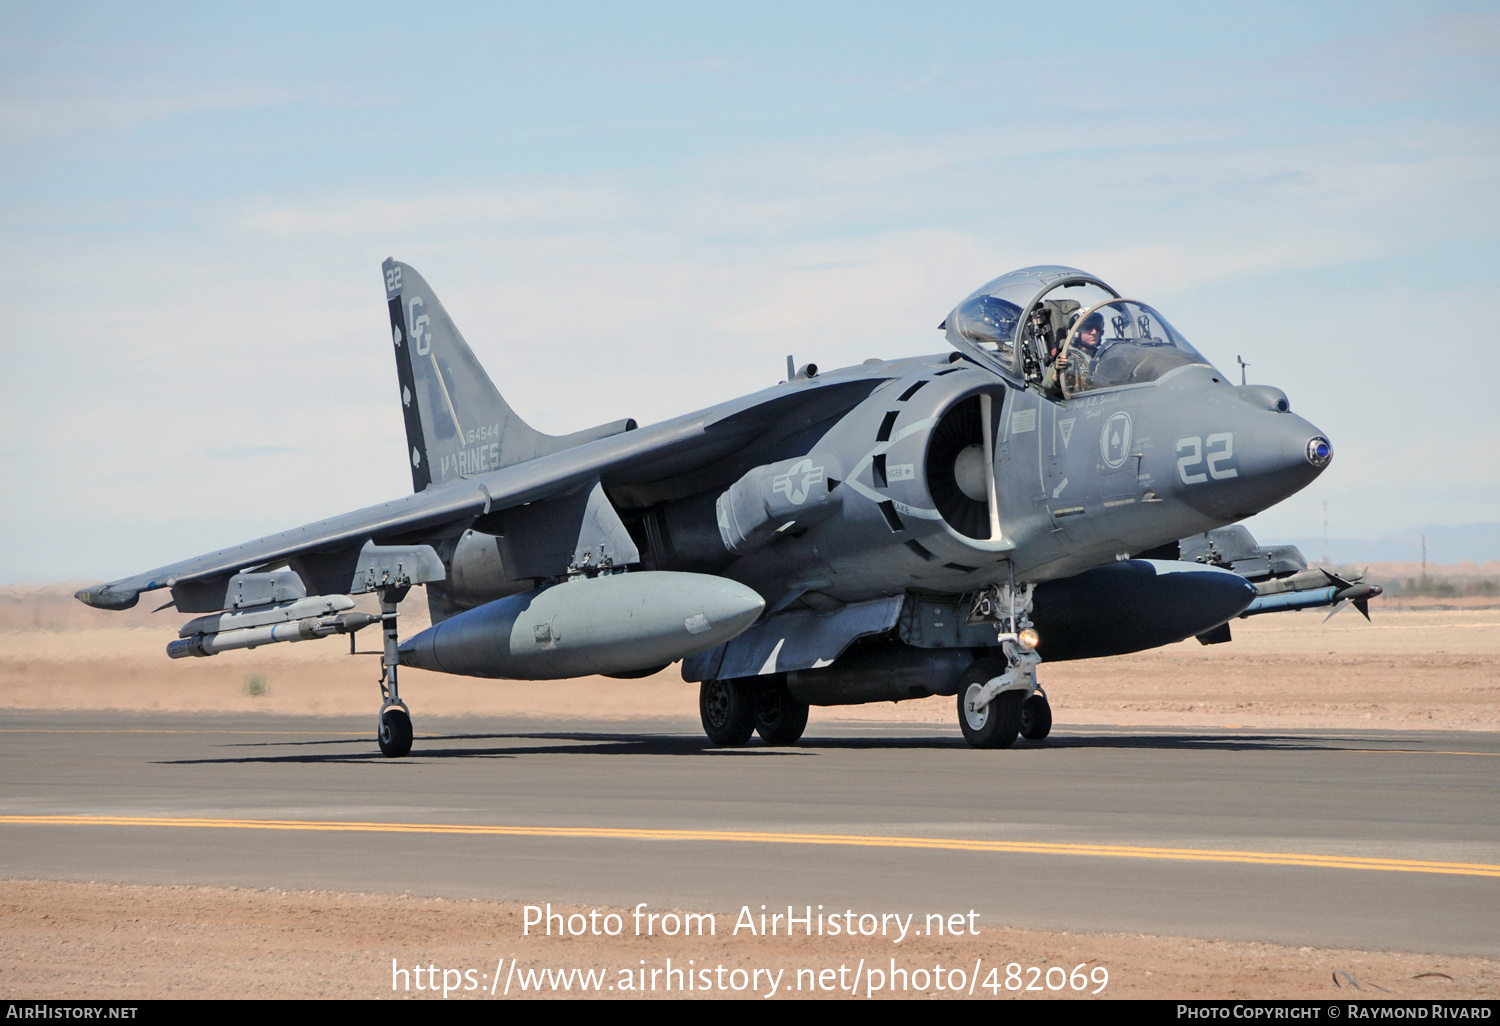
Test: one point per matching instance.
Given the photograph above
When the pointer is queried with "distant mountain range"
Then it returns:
(1477, 542)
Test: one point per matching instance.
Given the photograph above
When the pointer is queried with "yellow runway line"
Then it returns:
(1261, 858)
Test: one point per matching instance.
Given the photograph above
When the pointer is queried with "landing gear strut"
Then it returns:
(393, 728)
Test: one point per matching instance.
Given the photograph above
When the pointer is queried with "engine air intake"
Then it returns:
(951, 465)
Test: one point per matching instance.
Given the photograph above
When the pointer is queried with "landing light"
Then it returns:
(1029, 637)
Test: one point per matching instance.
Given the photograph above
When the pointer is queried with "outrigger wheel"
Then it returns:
(393, 729)
(395, 732)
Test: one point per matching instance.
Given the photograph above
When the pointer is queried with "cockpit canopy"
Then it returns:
(1120, 342)
(1063, 331)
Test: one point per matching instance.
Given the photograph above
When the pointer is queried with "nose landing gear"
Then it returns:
(998, 697)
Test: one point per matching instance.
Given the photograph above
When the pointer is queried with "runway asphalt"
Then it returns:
(1372, 839)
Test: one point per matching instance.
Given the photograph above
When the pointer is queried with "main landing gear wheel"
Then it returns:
(779, 718)
(997, 724)
(395, 732)
(1036, 717)
(728, 711)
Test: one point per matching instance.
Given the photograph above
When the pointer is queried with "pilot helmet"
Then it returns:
(1093, 322)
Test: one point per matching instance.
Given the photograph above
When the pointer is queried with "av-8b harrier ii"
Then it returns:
(1058, 486)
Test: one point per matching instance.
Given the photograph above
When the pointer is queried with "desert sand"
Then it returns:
(1437, 668)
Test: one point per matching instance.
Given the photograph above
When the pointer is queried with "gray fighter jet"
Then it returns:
(1057, 486)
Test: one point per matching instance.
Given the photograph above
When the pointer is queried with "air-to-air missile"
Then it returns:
(301, 620)
(619, 624)
(1314, 588)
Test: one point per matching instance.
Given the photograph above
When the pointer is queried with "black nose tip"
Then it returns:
(1319, 451)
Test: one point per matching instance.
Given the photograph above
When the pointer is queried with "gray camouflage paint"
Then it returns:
(1077, 483)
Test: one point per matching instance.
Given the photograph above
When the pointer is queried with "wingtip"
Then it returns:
(102, 596)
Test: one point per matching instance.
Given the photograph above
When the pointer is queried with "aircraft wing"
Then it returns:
(628, 458)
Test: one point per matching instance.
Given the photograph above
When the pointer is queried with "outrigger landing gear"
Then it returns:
(997, 697)
(393, 729)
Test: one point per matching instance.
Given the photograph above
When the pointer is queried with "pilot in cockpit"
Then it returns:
(1076, 365)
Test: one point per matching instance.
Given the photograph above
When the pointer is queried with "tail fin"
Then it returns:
(457, 423)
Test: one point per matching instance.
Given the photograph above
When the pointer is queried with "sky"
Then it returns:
(640, 210)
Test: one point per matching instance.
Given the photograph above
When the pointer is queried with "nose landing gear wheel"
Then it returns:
(1036, 718)
(728, 712)
(395, 733)
(997, 724)
(779, 718)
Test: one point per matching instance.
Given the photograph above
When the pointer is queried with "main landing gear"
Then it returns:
(732, 710)
(393, 729)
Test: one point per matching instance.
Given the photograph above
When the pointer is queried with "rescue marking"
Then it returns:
(767, 837)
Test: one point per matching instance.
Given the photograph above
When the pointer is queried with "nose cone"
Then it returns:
(1270, 456)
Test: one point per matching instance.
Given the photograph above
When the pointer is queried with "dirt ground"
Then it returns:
(1421, 664)
(107, 941)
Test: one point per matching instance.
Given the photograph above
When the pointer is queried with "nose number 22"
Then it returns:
(1219, 452)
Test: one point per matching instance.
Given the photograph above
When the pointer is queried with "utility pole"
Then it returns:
(1325, 532)
(1424, 562)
